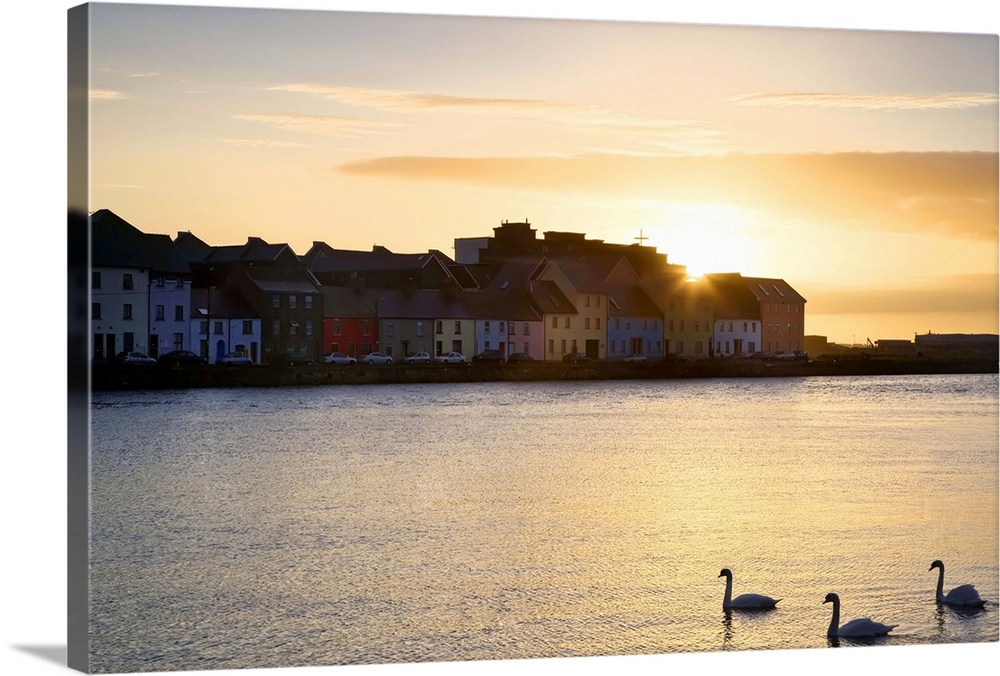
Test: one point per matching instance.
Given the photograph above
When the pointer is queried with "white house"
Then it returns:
(221, 324)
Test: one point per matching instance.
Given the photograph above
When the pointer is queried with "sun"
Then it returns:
(706, 238)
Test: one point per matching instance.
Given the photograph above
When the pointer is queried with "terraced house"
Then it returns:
(548, 297)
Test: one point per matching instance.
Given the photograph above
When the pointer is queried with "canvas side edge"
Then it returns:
(78, 372)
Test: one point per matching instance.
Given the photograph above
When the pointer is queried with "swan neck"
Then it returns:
(729, 591)
(834, 620)
(940, 583)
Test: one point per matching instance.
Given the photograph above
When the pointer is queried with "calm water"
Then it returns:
(282, 527)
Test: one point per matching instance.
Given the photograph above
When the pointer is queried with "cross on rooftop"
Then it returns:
(640, 237)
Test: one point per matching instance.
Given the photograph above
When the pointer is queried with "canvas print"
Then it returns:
(402, 338)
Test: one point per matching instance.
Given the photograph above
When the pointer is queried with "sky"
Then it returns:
(721, 153)
(860, 166)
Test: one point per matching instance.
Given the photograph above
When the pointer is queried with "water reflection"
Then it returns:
(440, 530)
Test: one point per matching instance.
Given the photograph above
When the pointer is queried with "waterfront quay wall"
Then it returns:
(107, 378)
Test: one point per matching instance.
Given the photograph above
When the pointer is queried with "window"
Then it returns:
(203, 328)
(247, 327)
(439, 329)
(127, 280)
(789, 328)
(180, 282)
(420, 329)
(159, 313)
(574, 346)
(525, 331)
(95, 280)
(730, 326)
(334, 347)
(754, 327)
(178, 313)
(562, 346)
(567, 323)
(698, 347)
(458, 331)
(178, 341)
(500, 329)
(586, 301)
(275, 300)
(586, 322)
(275, 327)
(217, 328)
(160, 281)
(628, 324)
(336, 327)
(309, 302)
(744, 327)
(309, 327)
(486, 326)
(555, 322)
(598, 320)
(552, 346)
(293, 302)
(390, 330)
(366, 328)
(293, 328)
(95, 310)
(697, 326)
(127, 311)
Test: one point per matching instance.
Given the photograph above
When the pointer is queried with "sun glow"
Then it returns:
(706, 238)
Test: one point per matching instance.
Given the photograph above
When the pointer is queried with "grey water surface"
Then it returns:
(337, 525)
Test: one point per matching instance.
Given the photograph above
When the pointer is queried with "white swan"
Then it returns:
(860, 628)
(744, 601)
(965, 595)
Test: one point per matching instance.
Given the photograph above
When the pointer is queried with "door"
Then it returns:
(594, 349)
(220, 350)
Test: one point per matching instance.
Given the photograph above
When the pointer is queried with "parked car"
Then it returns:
(636, 358)
(417, 358)
(576, 358)
(489, 356)
(515, 357)
(340, 359)
(450, 358)
(376, 358)
(181, 358)
(235, 359)
(134, 359)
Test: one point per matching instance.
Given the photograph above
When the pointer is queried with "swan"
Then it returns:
(744, 601)
(965, 595)
(860, 628)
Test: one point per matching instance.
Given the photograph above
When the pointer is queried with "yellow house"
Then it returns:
(687, 312)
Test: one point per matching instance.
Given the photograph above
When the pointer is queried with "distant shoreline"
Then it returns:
(114, 378)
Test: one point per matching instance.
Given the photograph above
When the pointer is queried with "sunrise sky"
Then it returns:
(860, 166)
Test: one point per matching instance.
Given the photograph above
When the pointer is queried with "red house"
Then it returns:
(350, 321)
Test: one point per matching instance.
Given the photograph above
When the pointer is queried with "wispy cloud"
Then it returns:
(947, 193)
(410, 101)
(262, 143)
(143, 75)
(567, 117)
(107, 95)
(322, 125)
(870, 101)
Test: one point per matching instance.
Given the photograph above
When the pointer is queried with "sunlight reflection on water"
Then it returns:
(237, 528)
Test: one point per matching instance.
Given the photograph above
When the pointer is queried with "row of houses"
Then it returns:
(546, 296)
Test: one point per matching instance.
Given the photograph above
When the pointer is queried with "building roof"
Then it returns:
(281, 280)
(631, 301)
(117, 243)
(346, 301)
(256, 250)
(732, 297)
(766, 289)
(549, 299)
(219, 304)
(420, 304)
